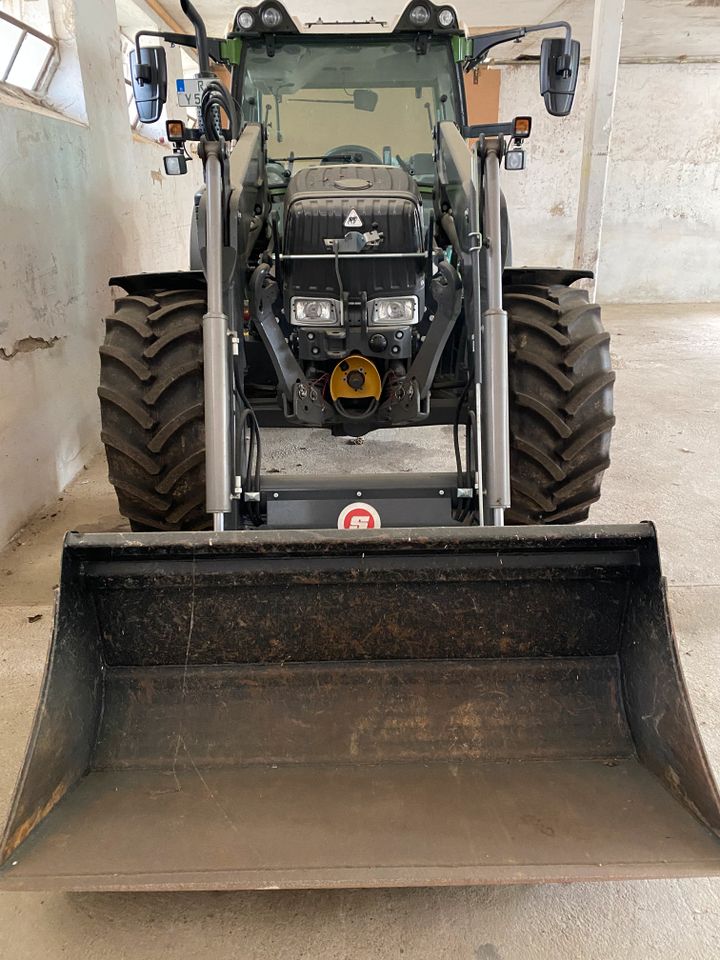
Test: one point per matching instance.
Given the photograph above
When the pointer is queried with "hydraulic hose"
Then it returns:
(216, 98)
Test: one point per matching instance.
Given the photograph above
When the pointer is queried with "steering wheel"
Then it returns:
(359, 154)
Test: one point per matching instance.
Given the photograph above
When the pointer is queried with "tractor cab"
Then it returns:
(349, 100)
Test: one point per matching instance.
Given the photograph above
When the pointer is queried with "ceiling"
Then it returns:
(654, 29)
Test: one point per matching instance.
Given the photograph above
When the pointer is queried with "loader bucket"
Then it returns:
(387, 708)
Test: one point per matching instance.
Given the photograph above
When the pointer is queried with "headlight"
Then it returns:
(315, 313)
(446, 18)
(398, 311)
(515, 160)
(245, 20)
(419, 16)
(271, 17)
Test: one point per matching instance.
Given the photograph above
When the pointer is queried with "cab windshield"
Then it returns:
(349, 102)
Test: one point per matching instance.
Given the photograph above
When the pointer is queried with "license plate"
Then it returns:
(189, 92)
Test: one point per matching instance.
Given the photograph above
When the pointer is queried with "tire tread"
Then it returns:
(152, 409)
(561, 403)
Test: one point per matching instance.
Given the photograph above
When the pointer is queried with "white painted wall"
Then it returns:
(79, 203)
(542, 199)
(661, 238)
(662, 223)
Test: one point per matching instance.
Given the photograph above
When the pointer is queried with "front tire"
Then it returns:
(152, 409)
(561, 403)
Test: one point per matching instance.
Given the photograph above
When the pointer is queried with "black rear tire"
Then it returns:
(152, 409)
(561, 403)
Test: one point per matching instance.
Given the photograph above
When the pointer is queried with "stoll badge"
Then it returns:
(359, 516)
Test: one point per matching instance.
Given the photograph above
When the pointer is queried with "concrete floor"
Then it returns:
(665, 467)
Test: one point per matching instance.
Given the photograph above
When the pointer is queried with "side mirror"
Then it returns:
(149, 81)
(558, 74)
(365, 100)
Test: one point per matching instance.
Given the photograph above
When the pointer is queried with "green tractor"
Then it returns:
(360, 265)
(376, 680)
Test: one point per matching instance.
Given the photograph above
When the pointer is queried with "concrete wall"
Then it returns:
(79, 202)
(661, 235)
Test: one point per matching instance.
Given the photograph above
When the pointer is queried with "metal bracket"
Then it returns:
(447, 293)
(476, 235)
(354, 242)
(262, 297)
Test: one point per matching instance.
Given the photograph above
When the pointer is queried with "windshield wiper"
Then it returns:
(340, 157)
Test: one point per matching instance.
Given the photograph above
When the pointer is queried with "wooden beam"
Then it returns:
(161, 13)
(159, 10)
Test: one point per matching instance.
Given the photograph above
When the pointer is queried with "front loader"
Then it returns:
(365, 680)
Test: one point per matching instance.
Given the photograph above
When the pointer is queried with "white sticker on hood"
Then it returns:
(353, 220)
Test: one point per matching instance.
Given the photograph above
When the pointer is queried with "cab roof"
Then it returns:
(420, 17)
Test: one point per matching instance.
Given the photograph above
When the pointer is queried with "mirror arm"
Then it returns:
(484, 43)
(181, 40)
(142, 70)
(200, 42)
